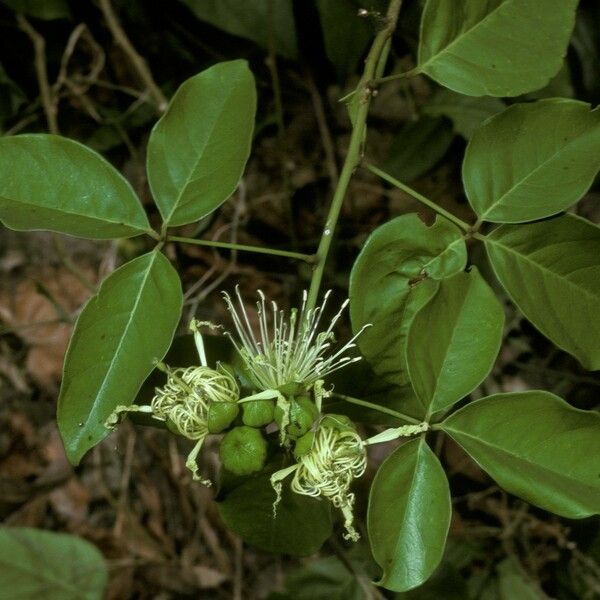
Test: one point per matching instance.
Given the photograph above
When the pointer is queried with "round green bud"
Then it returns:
(290, 389)
(221, 415)
(303, 413)
(304, 444)
(258, 413)
(341, 422)
(243, 450)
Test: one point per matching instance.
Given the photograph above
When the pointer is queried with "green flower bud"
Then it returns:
(340, 422)
(258, 413)
(243, 450)
(291, 389)
(304, 444)
(302, 414)
(221, 415)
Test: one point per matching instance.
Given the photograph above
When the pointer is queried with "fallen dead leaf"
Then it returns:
(26, 305)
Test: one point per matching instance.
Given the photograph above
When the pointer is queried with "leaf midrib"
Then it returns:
(410, 488)
(459, 38)
(446, 249)
(74, 213)
(201, 154)
(500, 450)
(540, 267)
(523, 181)
(77, 438)
(432, 403)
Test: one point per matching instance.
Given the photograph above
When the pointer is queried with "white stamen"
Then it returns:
(291, 350)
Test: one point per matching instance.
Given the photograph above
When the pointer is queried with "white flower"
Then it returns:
(291, 349)
(194, 402)
(336, 458)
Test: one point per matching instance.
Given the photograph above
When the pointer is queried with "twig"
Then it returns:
(124, 482)
(17, 328)
(49, 100)
(71, 266)
(561, 375)
(354, 150)
(24, 122)
(238, 207)
(238, 572)
(80, 33)
(326, 139)
(136, 60)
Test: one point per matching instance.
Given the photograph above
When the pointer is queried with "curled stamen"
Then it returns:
(184, 403)
(337, 457)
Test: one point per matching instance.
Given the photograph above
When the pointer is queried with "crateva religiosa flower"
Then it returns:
(289, 356)
(291, 349)
(329, 460)
(194, 402)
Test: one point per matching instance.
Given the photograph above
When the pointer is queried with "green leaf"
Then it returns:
(465, 112)
(328, 579)
(418, 148)
(409, 516)
(121, 332)
(53, 183)
(453, 340)
(551, 272)
(497, 47)
(54, 566)
(346, 34)
(41, 9)
(446, 582)
(300, 528)
(198, 149)
(265, 22)
(514, 582)
(542, 170)
(395, 274)
(535, 446)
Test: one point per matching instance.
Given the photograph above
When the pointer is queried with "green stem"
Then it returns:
(378, 408)
(380, 68)
(153, 234)
(309, 258)
(354, 150)
(404, 75)
(438, 209)
(383, 57)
